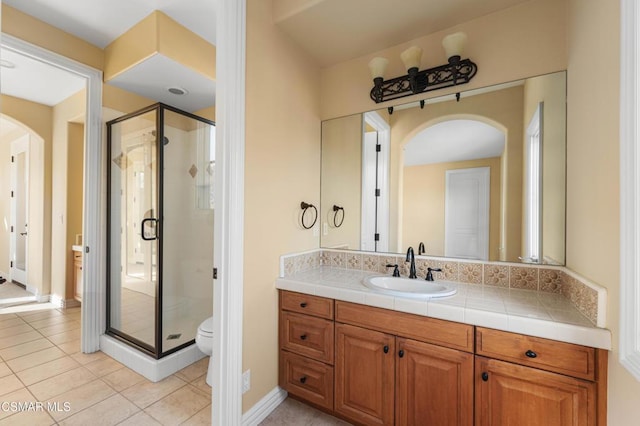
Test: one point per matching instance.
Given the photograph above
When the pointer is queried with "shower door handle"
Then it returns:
(154, 226)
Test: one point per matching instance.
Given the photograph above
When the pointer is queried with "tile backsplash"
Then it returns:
(589, 298)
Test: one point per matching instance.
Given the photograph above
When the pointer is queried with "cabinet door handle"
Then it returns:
(303, 379)
(303, 305)
(531, 354)
(386, 349)
(485, 376)
(401, 353)
(303, 337)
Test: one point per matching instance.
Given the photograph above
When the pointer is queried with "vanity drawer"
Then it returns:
(565, 358)
(449, 334)
(306, 335)
(306, 304)
(308, 379)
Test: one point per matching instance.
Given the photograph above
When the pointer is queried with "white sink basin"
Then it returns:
(399, 286)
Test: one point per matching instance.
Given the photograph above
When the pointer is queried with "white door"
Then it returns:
(369, 199)
(467, 213)
(19, 242)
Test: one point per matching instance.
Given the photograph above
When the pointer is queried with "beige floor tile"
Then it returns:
(71, 347)
(34, 359)
(122, 379)
(25, 348)
(4, 370)
(201, 418)
(38, 315)
(103, 366)
(69, 311)
(111, 411)
(21, 395)
(178, 406)
(23, 418)
(59, 328)
(65, 337)
(61, 383)
(9, 384)
(201, 385)
(48, 322)
(83, 358)
(10, 322)
(195, 370)
(146, 393)
(16, 329)
(80, 398)
(4, 317)
(140, 419)
(6, 342)
(293, 413)
(47, 370)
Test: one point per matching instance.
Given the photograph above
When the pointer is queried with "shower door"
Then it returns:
(134, 229)
(160, 228)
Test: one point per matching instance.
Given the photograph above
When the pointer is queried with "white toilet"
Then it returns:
(204, 341)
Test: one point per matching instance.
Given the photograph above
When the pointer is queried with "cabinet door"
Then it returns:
(364, 375)
(510, 394)
(434, 385)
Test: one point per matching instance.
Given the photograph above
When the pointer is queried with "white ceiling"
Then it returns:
(454, 140)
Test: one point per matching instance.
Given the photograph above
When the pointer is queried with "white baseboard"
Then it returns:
(264, 407)
(153, 369)
(59, 302)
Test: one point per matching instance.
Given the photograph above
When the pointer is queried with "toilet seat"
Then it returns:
(206, 328)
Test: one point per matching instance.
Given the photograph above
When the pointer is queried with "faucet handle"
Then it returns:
(430, 273)
(396, 272)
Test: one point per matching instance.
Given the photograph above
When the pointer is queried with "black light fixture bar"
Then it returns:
(452, 74)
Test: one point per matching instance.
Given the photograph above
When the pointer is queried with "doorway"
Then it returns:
(19, 190)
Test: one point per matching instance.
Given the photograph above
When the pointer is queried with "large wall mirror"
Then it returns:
(480, 176)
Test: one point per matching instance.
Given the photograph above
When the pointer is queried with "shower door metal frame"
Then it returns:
(156, 352)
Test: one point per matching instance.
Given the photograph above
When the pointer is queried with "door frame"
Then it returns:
(21, 144)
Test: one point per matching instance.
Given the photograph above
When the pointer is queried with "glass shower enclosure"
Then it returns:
(160, 227)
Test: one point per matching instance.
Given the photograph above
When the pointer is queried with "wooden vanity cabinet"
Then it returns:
(375, 366)
(526, 380)
(384, 376)
(306, 332)
(77, 275)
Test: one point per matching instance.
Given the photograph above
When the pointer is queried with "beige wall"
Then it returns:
(282, 168)
(341, 181)
(593, 211)
(519, 42)
(64, 222)
(424, 202)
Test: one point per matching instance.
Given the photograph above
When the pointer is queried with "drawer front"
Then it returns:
(77, 256)
(565, 358)
(306, 335)
(430, 330)
(306, 304)
(307, 379)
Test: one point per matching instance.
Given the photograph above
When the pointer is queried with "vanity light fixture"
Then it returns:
(456, 71)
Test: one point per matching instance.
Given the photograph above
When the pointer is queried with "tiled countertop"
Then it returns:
(527, 312)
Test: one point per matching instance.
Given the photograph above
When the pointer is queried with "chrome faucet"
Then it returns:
(411, 258)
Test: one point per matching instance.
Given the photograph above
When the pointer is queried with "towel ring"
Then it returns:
(336, 210)
(306, 206)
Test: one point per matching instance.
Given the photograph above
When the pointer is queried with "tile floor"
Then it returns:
(41, 362)
(295, 413)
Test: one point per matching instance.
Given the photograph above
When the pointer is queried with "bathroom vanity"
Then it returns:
(371, 363)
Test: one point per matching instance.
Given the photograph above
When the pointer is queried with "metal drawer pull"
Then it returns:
(386, 349)
(531, 354)
(485, 377)
(303, 305)
(401, 353)
(303, 379)
(303, 337)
